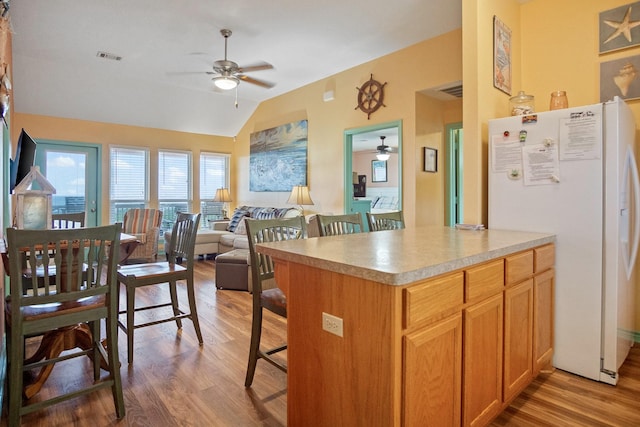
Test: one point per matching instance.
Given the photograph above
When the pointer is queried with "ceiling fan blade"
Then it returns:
(186, 73)
(257, 82)
(255, 67)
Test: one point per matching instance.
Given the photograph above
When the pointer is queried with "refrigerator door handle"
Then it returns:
(631, 171)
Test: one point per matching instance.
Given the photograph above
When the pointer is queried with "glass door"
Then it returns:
(73, 169)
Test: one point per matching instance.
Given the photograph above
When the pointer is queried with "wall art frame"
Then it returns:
(618, 28)
(501, 56)
(378, 171)
(278, 158)
(430, 159)
(620, 77)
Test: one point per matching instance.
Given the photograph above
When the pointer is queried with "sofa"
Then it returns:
(225, 236)
(237, 237)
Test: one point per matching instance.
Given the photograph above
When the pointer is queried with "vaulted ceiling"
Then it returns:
(58, 69)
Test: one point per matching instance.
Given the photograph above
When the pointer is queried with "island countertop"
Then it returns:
(399, 257)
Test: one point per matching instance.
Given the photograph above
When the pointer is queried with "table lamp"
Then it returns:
(300, 196)
(222, 195)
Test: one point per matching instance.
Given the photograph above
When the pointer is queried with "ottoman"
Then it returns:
(232, 270)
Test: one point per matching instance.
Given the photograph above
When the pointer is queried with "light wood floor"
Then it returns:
(174, 382)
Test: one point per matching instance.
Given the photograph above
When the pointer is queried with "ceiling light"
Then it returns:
(382, 156)
(226, 82)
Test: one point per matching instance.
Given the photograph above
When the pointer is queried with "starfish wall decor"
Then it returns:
(616, 27)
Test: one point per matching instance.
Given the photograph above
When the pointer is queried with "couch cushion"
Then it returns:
(227, 239)
(241, 242)
(203, 235)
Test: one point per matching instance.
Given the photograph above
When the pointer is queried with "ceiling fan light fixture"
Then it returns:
(383, 156)
(226, 82)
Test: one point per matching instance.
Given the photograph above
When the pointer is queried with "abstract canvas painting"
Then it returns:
(278, 157)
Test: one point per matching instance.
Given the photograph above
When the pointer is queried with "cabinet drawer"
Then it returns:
(518, 267)
(432, 298)
(484, 280)
(545, 257)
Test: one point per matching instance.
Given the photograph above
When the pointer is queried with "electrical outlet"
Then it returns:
(332, 324)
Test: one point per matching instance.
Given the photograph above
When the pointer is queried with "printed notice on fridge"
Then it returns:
(580, 136)
(506, 154)
(541, 166)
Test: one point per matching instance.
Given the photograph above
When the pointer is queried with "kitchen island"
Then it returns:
(414, 327)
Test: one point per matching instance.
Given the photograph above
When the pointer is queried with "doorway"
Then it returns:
(454, 181)
(74, 170)
(388, 189)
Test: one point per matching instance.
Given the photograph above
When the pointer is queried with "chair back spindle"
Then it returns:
(334, 225)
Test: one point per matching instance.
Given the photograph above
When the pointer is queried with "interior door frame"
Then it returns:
(454, 173)
(93, 180)
(348, 159)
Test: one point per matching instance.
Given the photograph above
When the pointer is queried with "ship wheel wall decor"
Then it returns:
(371, 96)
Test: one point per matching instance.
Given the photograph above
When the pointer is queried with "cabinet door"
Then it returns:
(432, 389)
(482, 355)
(543, 320)
(518, 338)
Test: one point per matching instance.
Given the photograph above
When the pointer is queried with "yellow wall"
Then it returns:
(54, 128)
(428, 64)
(431, 115)
(554, 47)
(482, 101)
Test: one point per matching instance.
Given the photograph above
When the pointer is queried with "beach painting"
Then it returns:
(278, 157)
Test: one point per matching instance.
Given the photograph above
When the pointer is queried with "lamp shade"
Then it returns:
(300, 195)
(383, 156)
(222, 195)
(226, 82)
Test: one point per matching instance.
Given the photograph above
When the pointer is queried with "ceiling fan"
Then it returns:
(383, 151)
(229, 73)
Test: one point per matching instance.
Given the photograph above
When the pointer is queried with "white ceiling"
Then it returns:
(56, 71)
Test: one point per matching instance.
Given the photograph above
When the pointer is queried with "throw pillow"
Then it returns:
(238, 215)
(242, 226)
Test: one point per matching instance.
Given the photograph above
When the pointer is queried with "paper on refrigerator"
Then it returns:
(540, 164)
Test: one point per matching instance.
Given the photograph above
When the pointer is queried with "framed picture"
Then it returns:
(378, 171)
(430, 159)
(620, 77)
(618, 28)
(278, 157)
(501, 56)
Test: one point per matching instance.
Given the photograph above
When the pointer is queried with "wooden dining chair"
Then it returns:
(179, 251)
(266, 294)
(385, 221)
(67, 220)
(67, 312)
(333, 225)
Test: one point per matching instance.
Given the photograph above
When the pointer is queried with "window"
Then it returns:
(174, 185)
(129, 171)
(214, 174)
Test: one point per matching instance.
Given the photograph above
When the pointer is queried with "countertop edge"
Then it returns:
(405, 277)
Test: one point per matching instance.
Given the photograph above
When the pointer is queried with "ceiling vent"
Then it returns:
(111, 56)
(453, 91)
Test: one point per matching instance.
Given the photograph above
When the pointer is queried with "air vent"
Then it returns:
(453, 91)
(111, 56)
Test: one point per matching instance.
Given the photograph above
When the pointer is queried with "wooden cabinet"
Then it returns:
(543, 285)
(543, 291)
(476, 338)
(449, 350)
(482, 361)
(432, 392)
(518, 338)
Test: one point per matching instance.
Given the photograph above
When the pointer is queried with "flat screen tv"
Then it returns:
(25, 158)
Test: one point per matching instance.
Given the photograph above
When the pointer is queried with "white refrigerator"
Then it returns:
(572, 172)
